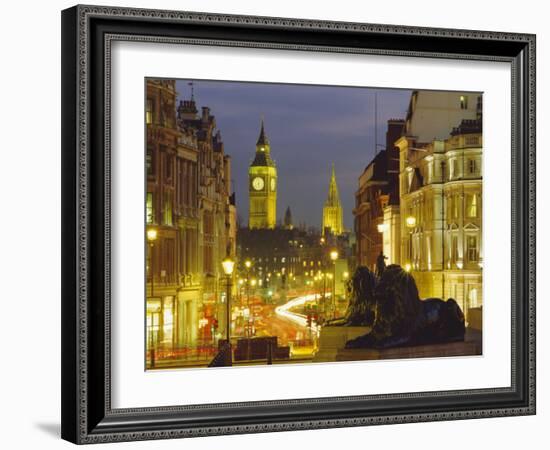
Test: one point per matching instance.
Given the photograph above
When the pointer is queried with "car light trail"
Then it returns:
(297, 318)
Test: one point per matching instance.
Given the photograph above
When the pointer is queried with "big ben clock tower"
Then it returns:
(262, 186)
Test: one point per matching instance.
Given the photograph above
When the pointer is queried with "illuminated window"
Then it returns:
(471, 248)
(454, 249)
(167, 209)
(149, 209)
(463, 102)
(472, 166)
(472, 296)
(168, 319)
(149, 112)
(471, 207)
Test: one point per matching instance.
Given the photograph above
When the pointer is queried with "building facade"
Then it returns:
(162, 205)
(217, 214)
(376, 212)
(189, 219)
(262, 186)
(441, 213)
(333, 215)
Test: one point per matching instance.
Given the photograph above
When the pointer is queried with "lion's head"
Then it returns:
(361, 287)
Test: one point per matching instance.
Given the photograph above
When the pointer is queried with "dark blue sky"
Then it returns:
(309, 128)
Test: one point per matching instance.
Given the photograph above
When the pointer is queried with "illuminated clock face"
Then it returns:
(273, 184)
(258, 183)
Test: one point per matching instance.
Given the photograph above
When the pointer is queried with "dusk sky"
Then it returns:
(309, 128)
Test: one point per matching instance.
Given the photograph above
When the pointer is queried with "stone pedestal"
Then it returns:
(471, 346)
(333, 339)
(475, 318)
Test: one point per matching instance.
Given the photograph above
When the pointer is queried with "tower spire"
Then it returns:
(262, 138)
(332, 210)
(333, 198)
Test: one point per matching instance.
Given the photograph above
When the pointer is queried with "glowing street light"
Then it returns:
(332, 276)
(228, 265)
(410, 221)
(152, 235)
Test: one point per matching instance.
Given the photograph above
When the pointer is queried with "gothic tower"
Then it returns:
(262, 186)
(333, 221)
(288, 219)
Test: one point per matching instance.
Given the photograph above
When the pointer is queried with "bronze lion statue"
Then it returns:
(397, 314)
(360, 311)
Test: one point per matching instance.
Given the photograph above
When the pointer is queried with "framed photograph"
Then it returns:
(280, 224)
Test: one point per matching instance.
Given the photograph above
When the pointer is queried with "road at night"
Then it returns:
(284, 311)
(290, 327)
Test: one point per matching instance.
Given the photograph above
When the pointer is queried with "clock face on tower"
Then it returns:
(258, 183)
(273, 184)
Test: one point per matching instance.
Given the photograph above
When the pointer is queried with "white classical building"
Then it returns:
(441, 201)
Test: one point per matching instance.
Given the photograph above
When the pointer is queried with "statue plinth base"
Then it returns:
(332, 339)
(471, 346)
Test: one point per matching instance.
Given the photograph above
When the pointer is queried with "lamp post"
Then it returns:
(345, 277)
(410, 221)
(228, 264)
(333, 258)
(248, 265)
(151, 238)
(253, 283)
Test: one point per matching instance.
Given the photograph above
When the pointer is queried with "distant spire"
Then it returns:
(288, 219)
(192, 91)
(262, 139)
(332, 211)
(333, 198)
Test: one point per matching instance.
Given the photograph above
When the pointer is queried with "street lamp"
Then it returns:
(248, 265)
(151, 238)
(410, 221)
(152, 235)
(334, 257)
(228, 264)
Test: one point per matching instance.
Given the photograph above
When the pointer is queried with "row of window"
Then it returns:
(453, 209)
(471, 250)
(150, 213)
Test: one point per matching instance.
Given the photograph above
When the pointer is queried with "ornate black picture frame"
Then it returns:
(87, 34)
